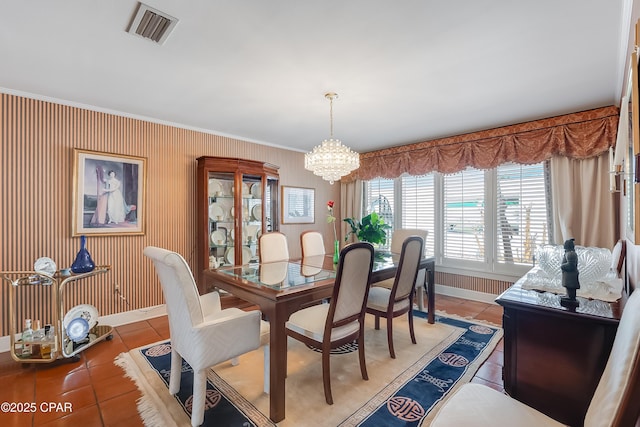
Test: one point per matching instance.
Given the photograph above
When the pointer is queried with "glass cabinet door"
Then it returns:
(271, 204)
(252, 216)
(221, 219)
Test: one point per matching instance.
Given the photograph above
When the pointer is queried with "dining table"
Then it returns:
(281, 288)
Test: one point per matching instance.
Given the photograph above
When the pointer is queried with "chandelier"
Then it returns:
(331, 160)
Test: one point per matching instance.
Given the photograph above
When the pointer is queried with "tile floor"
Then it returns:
(100, 395)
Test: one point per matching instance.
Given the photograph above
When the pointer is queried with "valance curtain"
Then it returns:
(578, 136)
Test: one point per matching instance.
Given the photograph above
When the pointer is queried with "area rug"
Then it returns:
(406, 391)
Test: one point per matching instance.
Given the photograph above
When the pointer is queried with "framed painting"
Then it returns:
(298, 205)
(108, 193)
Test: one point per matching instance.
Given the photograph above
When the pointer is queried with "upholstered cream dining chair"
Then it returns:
(615, 403)
(397, 238)
(201, 332)
(327, 326)
(312, 243)
(273, 247)
(395, 302)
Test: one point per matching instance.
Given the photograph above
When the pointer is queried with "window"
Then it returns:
(463, 214)
(521, 221)
(379, 198)
(489, 221)
(418, 206)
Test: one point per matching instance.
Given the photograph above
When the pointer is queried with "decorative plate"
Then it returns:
(77, 329)
(216, 213)
(215, 188)
(86, 311)
(219, 237)
(45, 265)
(246, 255)
(256, 211)
(256, 190)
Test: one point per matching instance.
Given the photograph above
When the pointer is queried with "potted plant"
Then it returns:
(370, 228)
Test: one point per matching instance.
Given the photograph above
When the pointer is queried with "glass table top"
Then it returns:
(281, 274)
(288, 274)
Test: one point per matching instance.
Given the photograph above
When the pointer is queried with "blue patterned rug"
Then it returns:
(409, 398)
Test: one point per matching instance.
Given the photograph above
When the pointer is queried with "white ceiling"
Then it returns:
(405, 71)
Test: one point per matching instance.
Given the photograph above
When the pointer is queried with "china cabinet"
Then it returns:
(59, 344)
(237, 201)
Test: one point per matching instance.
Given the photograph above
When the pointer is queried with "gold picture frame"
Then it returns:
(109, 193)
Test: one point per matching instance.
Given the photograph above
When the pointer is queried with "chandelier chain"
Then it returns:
(331, 116)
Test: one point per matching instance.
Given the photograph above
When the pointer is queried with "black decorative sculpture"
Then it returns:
(570, 273)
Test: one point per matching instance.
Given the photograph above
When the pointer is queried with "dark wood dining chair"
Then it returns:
(341, 321)
(394, 302)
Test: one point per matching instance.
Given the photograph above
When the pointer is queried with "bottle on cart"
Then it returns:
(45, 346)
(50, 336)
(27, 338)
(37, 336)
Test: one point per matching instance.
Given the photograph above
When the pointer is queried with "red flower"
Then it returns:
(332, 219)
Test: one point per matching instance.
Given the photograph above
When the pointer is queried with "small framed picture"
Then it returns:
(108, 193)
(298, 205)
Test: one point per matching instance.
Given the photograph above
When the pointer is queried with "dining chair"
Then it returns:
(397, 238)
(614, 402)
(341, 321)
(394, 302)
(311, 243)
(273, 247)
(201, 332)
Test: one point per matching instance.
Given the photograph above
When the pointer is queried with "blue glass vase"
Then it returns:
(83, 262)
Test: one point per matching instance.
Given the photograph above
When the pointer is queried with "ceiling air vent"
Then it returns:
(150, 23)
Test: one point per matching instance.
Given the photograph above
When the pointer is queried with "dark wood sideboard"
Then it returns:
(554, 356)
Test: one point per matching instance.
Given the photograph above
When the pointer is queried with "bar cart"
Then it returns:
(58, 345)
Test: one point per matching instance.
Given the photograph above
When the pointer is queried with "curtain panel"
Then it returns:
(583, 206)
(577, 136)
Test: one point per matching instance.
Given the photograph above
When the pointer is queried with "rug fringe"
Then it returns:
(151, 413)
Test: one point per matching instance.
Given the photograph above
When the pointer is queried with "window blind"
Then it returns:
(521, 220)
(463, 213)
(418, 206)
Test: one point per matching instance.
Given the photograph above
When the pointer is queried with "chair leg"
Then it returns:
(392, 352)
(326, 375)
(411, 332)
(176, 372)
(363, 363)
(198, 398)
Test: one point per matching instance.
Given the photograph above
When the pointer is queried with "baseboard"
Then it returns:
(466, 294)
(117, 319)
